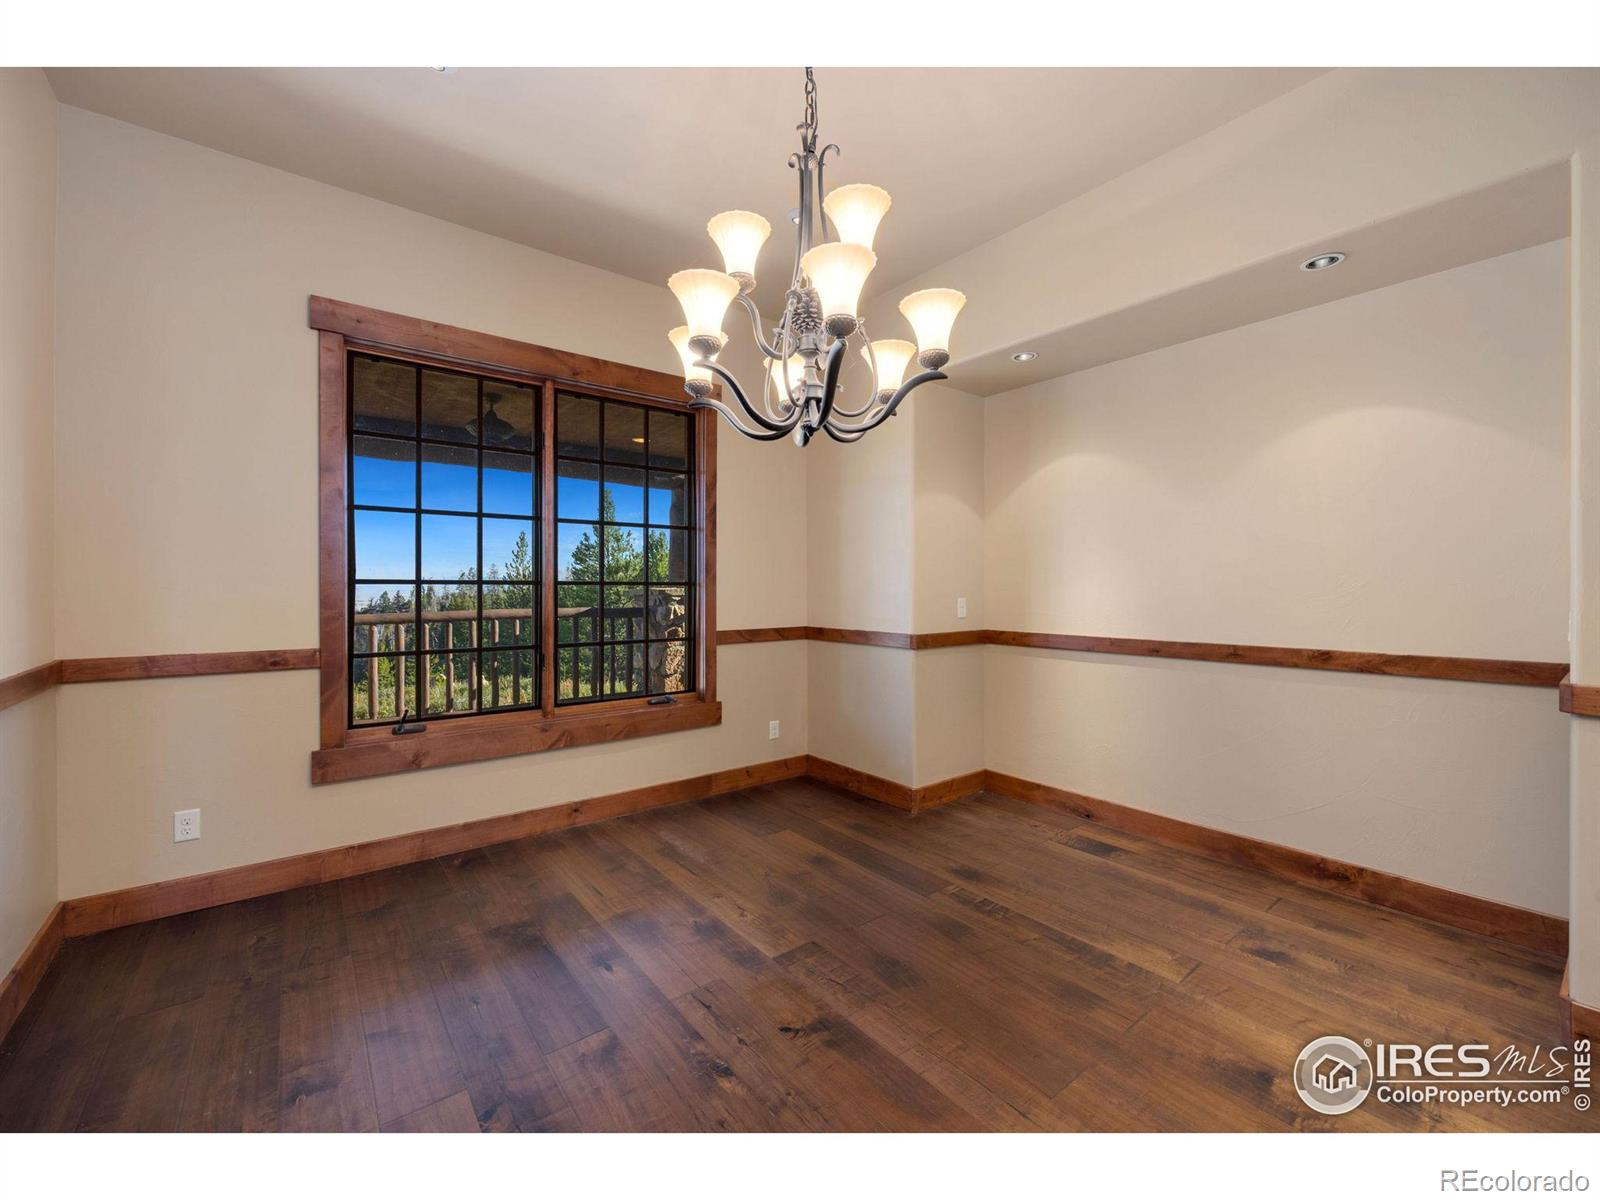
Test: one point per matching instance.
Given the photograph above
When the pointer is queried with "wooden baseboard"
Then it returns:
(1577, 1020)
(887, 791)
(22, 979)
(1536, 931)
(128, 906)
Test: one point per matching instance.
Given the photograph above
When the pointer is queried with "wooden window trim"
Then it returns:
(346, 753)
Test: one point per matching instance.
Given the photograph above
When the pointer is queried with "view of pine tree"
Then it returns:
(624, 561)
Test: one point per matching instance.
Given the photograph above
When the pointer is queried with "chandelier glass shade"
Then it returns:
(821, 315)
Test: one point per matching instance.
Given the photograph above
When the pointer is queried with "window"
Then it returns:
(624, 571)
(517, 547)
(444, 506)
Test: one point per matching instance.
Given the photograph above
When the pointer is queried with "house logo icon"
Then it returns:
(1333, 1075)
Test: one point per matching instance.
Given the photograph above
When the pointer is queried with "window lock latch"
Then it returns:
(662, 700)
(401, 728)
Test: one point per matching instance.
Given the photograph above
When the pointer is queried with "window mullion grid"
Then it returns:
(420, 633)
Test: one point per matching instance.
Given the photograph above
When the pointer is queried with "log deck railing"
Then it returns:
(503, 633)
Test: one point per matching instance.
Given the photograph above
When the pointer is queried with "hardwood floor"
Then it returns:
(787, 958)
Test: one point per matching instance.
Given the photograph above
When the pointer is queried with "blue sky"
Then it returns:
(384, 473)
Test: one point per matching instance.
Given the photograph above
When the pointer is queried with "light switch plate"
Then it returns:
(961, 606)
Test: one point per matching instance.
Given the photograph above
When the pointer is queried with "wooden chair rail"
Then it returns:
(1515, 672)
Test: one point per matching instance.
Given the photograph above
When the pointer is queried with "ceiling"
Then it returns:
(620, 168)
(1513, 214)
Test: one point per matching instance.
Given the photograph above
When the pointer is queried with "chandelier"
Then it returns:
(799, 394)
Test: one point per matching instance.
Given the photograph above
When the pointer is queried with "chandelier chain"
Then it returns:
(808, 128)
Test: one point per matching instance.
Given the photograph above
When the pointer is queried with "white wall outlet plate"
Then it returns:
(961, 606)
(772, 731)
(186, 825)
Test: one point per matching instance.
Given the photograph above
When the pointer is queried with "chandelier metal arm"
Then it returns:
(749, 306)
(841, 437)
(728, 415)
(830, 380)
(727, 377)
(872, 387)
(901, 393)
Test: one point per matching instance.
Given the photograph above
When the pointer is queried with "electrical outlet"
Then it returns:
(961, 606)
(772, 731)
(186, 825)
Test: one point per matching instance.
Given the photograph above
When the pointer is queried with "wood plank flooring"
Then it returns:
(787, 958)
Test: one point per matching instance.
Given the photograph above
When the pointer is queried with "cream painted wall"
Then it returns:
(27, 418)
(862, 703)
(947, 434)
(860, 511)
(948, 552)
(1462, 785)
(186, 503)
(1387, 472)
(895, 528)
(1584, 828)
(860, 514)
(237, 748)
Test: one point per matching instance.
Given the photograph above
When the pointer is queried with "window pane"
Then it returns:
(624, 495)
(623, 618)
(669, 612)
(383, 471)
(624, 433)
(578, 491)
(622, 670)
(624, 554)
(450, 682)
(436, 506)
(449, 547)
(576, 616)
(669, 440)
(444, 631)
(383, 396)
(449, 406)
(577, 672)
(577, 426)
(508, 483)
(507, 415)
(577, 551)
(381, 687)
(509, 678)
(669, 556)
(508, 551)
(386, 545)
(450, 478)
(669, 667)
(508, 614)
(384, 618)
(669, 499)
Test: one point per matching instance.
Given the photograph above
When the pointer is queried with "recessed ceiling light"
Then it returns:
(1323, 261)
(1025, 356)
